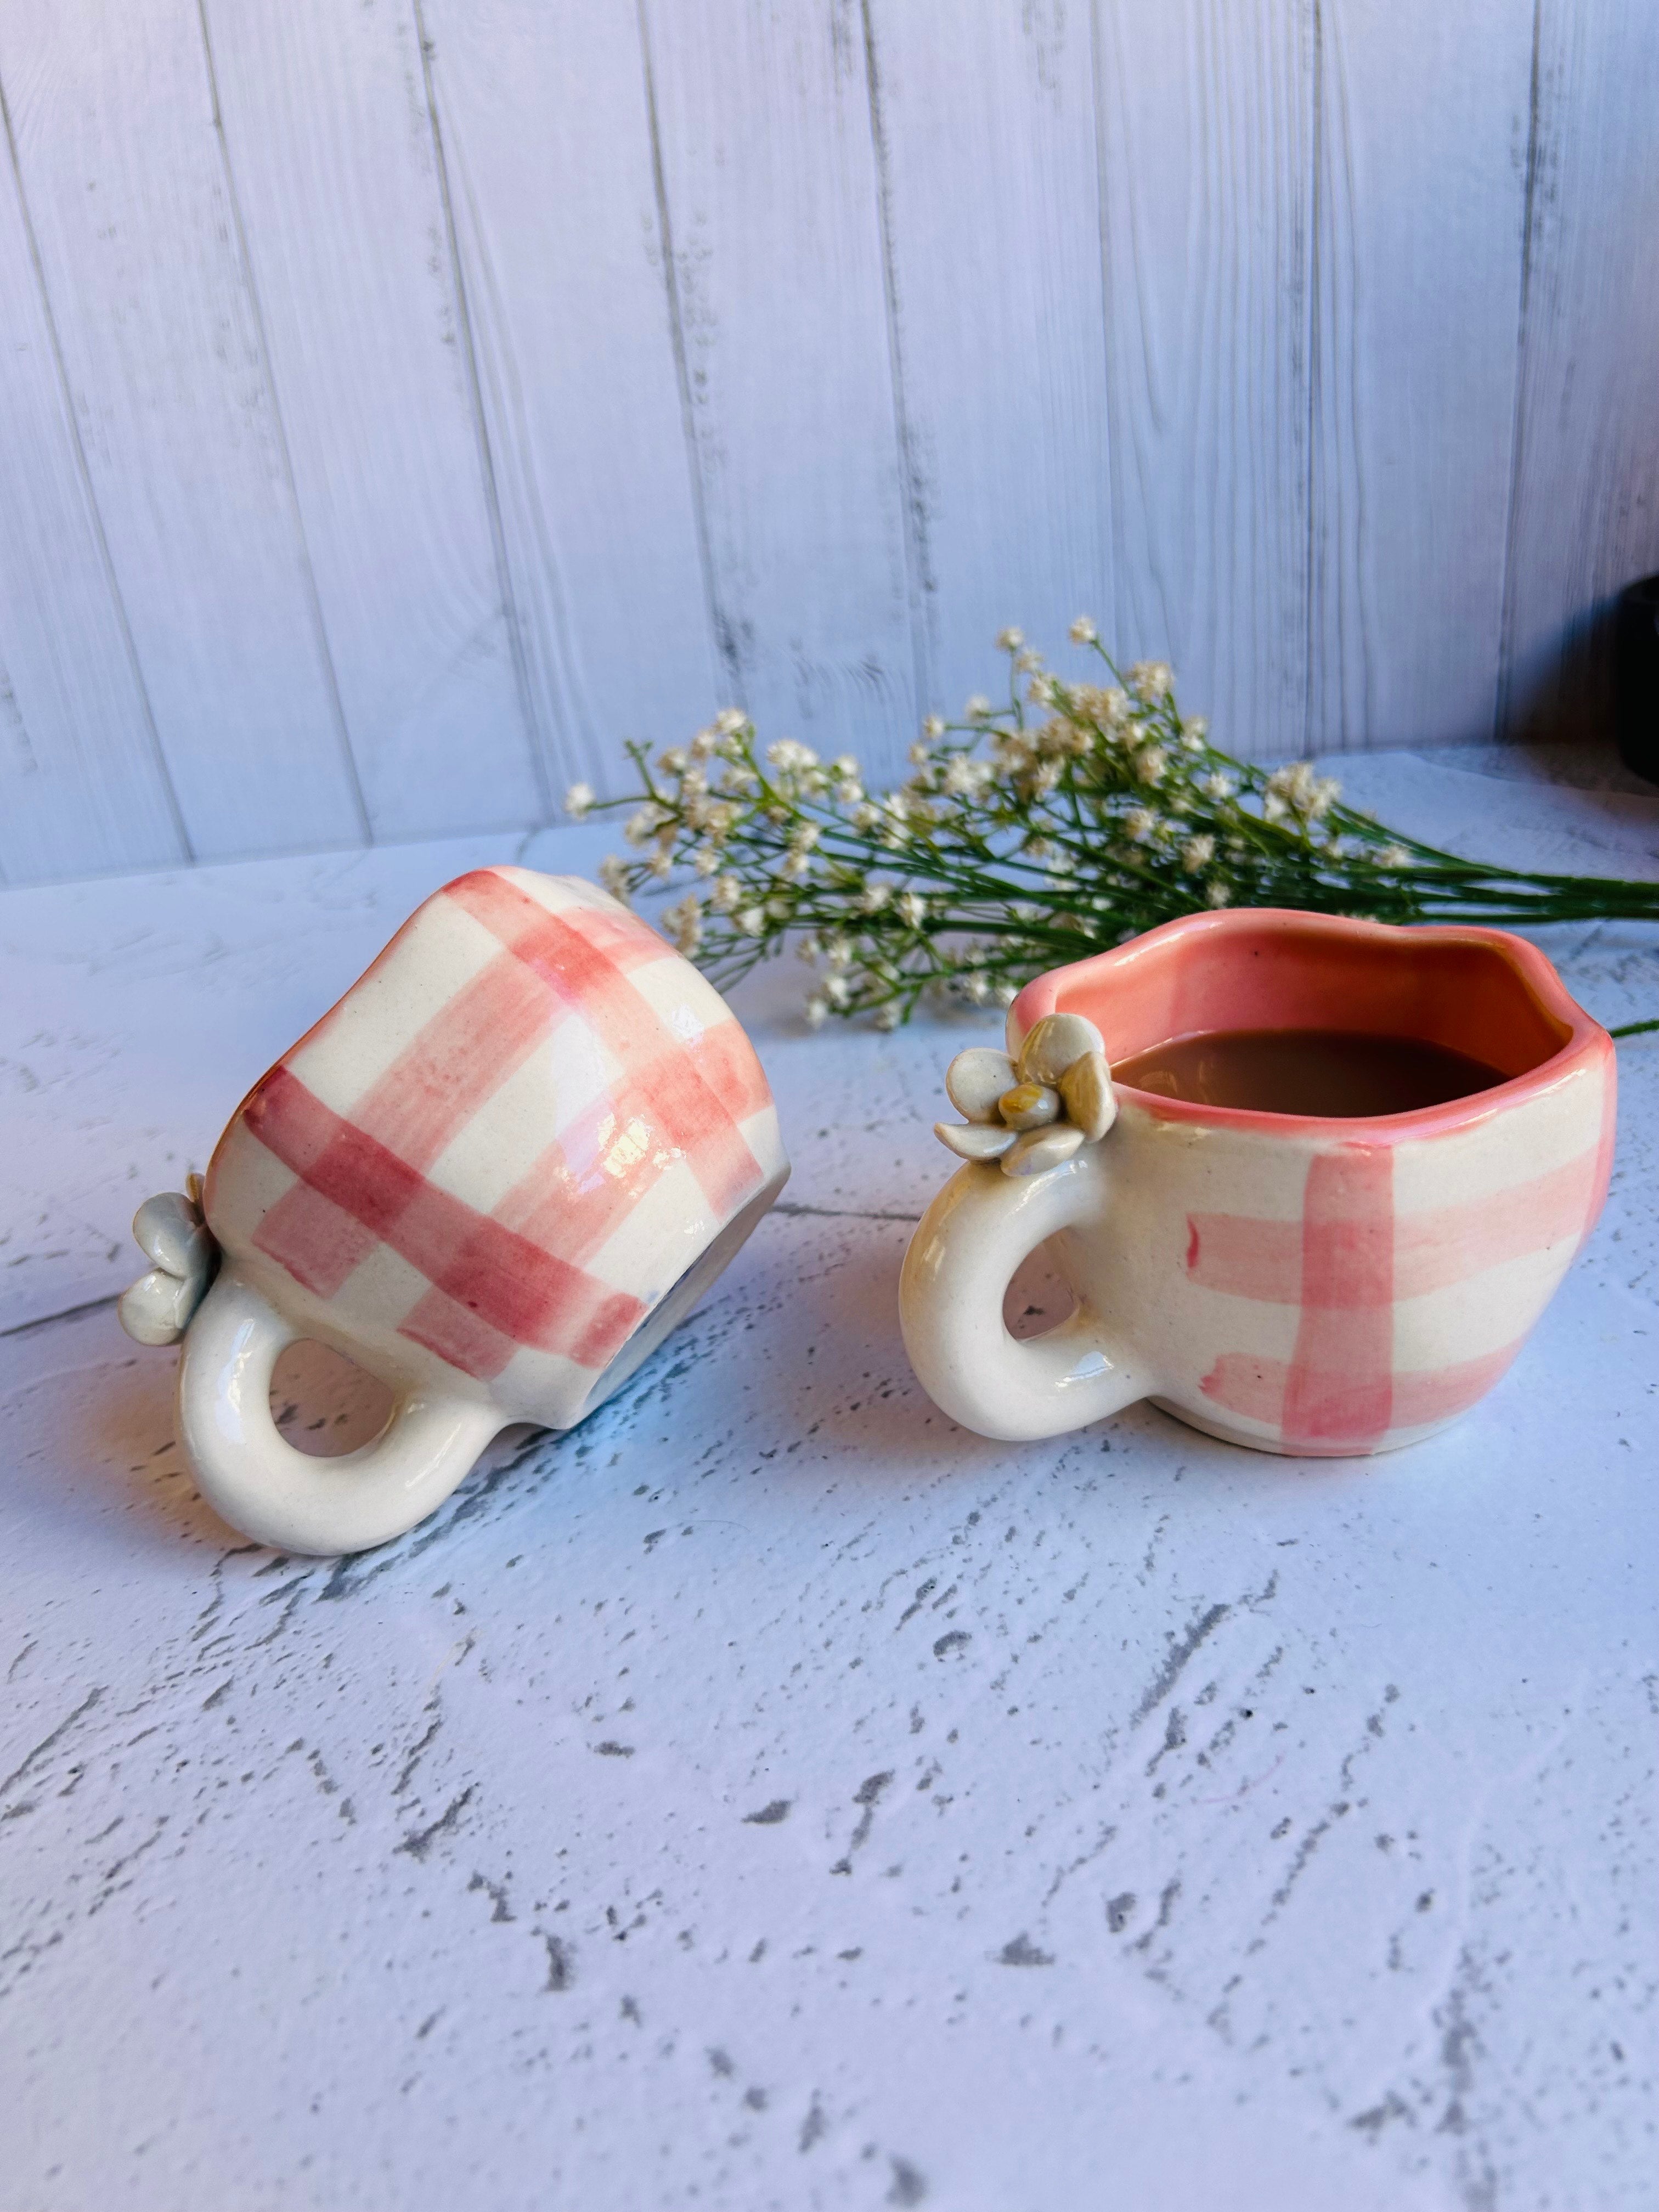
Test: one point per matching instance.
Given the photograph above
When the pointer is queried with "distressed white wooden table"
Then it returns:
(769, 1794)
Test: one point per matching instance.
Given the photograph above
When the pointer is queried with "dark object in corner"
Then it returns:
(1636, 676)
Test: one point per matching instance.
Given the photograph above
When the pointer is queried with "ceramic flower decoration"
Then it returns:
(1035, 1114)
(171, 1231)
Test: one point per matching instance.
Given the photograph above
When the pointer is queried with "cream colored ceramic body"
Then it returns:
(496, 1175)
(1316, 1286)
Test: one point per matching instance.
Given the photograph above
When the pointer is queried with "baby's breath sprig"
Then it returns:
(1073, 818)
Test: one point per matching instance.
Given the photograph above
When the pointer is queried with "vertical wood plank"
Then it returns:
(545, 125)
(1585, 517)
(1205, 175)
(764, 119)
(82, 787)
(986, 137)
(122, 165)
(1420, 189)
(332, 153)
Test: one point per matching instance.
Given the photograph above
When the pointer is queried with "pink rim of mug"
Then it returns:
(1538, 1000)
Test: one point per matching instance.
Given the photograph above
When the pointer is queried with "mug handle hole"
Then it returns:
(1039, 1297)
(324, 1404)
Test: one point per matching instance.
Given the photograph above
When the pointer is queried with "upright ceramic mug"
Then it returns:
(1316, 1286)
(495, 1175)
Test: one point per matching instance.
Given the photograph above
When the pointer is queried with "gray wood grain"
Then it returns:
(140, 248)
(999, 324)
(1585, 515)
(546, 128)
(770, 173)
(84, 785)
(330, 144)
(1420, 212)
(1207, 208)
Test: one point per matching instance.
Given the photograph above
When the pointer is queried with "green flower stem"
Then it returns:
(1023, 840)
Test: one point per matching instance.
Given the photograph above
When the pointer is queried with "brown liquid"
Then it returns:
(1326, 1072)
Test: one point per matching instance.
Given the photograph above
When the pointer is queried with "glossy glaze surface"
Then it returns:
(480, 1175)
(1325, 1284)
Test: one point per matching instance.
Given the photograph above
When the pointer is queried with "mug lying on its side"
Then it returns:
(495, 1175)
(1319, 1285)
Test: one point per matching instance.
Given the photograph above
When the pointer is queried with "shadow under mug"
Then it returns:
(1318, 1286)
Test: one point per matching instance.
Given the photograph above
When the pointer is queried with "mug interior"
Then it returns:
(1469, 991)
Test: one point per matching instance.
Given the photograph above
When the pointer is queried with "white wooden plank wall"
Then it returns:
(403, 402)
(998, 324)
(163, 356)
(1585, 514)
(1204, 120)
(342, 199)
(545, 121)
(1420, 211)
(771, 185)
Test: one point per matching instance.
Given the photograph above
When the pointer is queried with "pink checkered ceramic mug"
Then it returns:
(1316, 1286)
(495, 1175)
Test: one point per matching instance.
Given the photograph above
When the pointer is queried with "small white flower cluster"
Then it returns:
(1078, 814)
(1296, 793)
(1151, 680)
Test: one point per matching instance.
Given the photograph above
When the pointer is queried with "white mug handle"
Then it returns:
(961, 1260)
(247, 1470)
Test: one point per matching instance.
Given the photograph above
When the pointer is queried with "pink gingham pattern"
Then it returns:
(504, 1145)
(1316, 1286)
(1380, 1339)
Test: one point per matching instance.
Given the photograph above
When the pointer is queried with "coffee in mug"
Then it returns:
(1326, 1072)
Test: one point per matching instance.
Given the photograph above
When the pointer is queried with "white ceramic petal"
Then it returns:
(976, 1079)
(974, 1140)
(1090, 1101)
(157, 1307)
(1054, 1044)
(1039, 1149)
(171, 1233)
